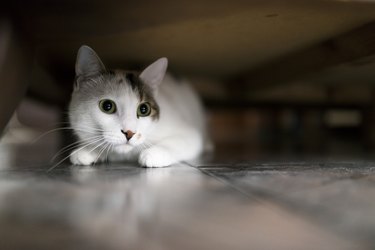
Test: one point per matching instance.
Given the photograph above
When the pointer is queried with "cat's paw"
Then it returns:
(155, 157)
(82, 157)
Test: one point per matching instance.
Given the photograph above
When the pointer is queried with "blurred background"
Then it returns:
(283, 77)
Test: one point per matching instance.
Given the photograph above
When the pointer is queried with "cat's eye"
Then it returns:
(144, 109)
(107, 106)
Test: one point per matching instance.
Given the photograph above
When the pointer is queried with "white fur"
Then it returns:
(177, 135)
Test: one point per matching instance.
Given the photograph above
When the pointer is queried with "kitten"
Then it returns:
(122, 115)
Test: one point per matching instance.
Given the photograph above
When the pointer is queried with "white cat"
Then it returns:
(121, 115)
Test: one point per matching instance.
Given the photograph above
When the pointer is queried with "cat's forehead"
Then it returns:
(122, 82)
(122, 77)
(116, 84)
(118, 80)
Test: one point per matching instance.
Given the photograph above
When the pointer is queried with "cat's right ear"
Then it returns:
(88, 63)
(154, 73)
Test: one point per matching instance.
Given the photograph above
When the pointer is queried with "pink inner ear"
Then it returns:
(153, 75)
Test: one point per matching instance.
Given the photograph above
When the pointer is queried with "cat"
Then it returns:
(148, 117)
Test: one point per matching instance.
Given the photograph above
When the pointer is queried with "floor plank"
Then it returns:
(337, 195)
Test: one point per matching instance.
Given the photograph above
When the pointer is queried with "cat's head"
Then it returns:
(116, 108)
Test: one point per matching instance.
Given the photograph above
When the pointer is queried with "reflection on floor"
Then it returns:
(206, 204)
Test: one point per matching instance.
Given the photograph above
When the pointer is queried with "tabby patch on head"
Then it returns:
(143, 91)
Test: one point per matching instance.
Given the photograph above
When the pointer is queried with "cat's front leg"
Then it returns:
(156, 156)
(83, 157)
(172, 150)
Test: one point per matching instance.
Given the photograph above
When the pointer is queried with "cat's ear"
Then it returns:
(153, 75)
(88, 63)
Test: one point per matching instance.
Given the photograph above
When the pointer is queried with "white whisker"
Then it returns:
(108, 150)
(78, 150)
(74, 145)
(97, 146)
(84, 129)
(101, 151)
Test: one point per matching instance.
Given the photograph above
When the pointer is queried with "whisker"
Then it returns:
(85, 129)
(91, 128)
(78, 150)
(104, 142)
(73, 145)
(101, 151)
(47, 133)
(108, 149)
(102, 146)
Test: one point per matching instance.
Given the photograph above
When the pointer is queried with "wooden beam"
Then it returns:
(345, 48)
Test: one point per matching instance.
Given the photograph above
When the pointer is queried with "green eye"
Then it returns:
(107, 106)
(144, 109)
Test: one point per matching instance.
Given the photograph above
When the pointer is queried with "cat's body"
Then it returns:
(150, 117)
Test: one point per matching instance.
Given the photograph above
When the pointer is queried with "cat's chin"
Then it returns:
(123, 148)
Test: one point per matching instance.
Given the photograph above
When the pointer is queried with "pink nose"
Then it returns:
(128, 134)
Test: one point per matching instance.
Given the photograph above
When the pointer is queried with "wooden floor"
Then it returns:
(268, 203)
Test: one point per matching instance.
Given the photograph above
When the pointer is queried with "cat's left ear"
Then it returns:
(88, 63)
(153, 75)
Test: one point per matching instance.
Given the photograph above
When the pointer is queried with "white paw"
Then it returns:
(82, 157)
(155, 157)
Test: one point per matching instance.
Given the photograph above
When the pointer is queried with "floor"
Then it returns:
(211, 203)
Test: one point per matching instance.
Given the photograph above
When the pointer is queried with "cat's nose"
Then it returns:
(128, 134)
